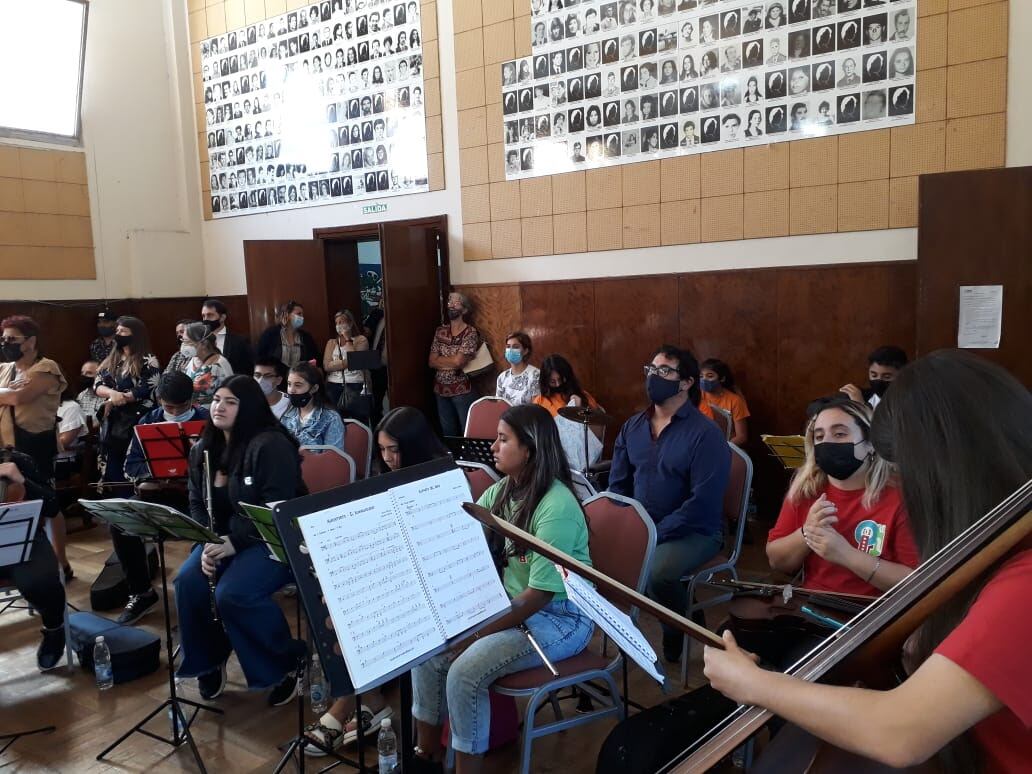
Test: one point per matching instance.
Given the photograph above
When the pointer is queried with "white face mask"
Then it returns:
(343, 329)
(266, 384)
(187, 350)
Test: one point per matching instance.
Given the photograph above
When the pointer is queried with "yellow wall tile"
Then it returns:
(56, 263)
(435, 169)
(12, 228)
(640, 184)
(506, 239)
(431, 59)
(863, 206)
(813, 162)
(38, 164)
(12, 196)
(521, 36)
(766, 214)
(75, 231)
(505, 200)
(721, 172)
(568, 193)
(496, 162)
(434, 135)
(976, 88)
(467, 15)
(469, 50)
(469, 89)
(537, 235)
(679, 178)
(723, 218)
(957, 5)
(571, 233)
(931, 7)
(499, 42)
(476, 204)
(40, 196)
(765, 167)
(978, 142)
(863, 156)
(254, 11)
(605, 190)
(931, 42)
(473, 127)
(605, 228)
(198, 27)
(641, 226)
(931, 96)
(206, 212)
(429, 21)
(813, 210)
(216, 16)
(476, 241)
(918, 150)
(495, 122)
(496, 11)
(235, 16)
(521, 8)
(978, 33)
(10, 161)
(473, 165)
(275, 7)
(903, 202)
(432, 96)
(73, 199)
(536, 196)
(680, 222)
(493, 85)
(194, 5)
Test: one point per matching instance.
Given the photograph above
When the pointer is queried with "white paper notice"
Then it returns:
(981, 316)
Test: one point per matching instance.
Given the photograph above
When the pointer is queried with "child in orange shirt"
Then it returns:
(718, 389)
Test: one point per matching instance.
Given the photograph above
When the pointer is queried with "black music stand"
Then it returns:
(471, 449)
(158, 524)
(267, 530)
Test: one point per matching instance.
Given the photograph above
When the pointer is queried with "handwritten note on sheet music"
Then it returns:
(402, 572)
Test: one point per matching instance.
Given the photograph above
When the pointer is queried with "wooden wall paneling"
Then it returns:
(560, 319)
(633, 316)
(342, 287)
(829, 320)
(496, 313)
(975, 230)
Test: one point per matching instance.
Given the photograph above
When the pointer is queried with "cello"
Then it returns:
(10, 492)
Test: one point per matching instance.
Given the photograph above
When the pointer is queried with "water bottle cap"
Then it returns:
(100, 638)
(385, 723)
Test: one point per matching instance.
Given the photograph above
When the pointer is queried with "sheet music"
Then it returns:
(613, 621)
(18, 523)
(451, 551)
(370, 586)
(120, 510)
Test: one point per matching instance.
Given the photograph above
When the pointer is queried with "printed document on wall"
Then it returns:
(981, 316)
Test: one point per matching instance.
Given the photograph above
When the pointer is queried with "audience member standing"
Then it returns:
(344, 385)
(101, 346)
(234, 347)
(455, 345)
(287, 340)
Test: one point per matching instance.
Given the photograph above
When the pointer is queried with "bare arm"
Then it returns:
(329, 363)
(787, 554)
(24, 392)
(912, 722)
(741, 432)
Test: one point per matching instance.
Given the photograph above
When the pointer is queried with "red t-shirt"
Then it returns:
(991, 644)
(880, 530)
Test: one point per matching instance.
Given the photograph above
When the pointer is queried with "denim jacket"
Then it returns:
(323, 428)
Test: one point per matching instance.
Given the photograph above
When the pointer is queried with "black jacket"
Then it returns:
(269, 345)
(238, 352)
(270, 471)
(36, 487)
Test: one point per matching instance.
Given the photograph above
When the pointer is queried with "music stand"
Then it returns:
(789, 450)
(471, 449)
(158, 523)
(18, 524)
(166, 446)
(269, 534)
(364, 360)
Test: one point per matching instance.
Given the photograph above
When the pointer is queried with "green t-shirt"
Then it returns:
(559, 521)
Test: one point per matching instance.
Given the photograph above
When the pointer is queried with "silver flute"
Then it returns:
(211, 518)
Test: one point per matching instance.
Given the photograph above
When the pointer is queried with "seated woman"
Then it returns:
(718, 389)
(536, 496)
(559, 386)
(521, 382)
(960, 430)
(403, 438)
(311, 419)
(206, 366)
(254, 460)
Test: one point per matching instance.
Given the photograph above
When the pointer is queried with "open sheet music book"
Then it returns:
(403, 572)
(18, 523)
(614, 622)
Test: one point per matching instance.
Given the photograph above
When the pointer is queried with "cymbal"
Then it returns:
(585, 415)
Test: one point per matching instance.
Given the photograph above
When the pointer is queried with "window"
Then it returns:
(41, 63)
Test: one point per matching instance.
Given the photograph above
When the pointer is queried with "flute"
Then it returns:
(211, 518)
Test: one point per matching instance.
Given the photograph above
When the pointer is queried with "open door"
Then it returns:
(280, 270)
(415, 274)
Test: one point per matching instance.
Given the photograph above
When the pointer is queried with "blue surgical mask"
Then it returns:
(513, 355)
(297, 321)
(709, 385)
(184, 417)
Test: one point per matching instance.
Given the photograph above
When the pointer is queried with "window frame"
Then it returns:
(69, 140)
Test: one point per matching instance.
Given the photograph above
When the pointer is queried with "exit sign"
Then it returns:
(373, 209)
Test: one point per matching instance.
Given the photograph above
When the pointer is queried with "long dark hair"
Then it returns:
(960, 429)
(561, 366)
(253, 417)
(314, 377)
(139, 348)
(416, 440)
(537, 432)
(723, 372)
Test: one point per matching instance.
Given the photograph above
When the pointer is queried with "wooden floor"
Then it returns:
(245, 739)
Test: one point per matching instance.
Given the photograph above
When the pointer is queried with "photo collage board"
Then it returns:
(319, 105)
(620, 81)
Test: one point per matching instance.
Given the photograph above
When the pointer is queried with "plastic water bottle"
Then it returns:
(317, 692)
(102, 664)
(387, 747)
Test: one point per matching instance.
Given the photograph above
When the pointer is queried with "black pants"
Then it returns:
(378, 376)
(131, 550)
(39, 582)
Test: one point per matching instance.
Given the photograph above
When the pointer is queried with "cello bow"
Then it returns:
(879, 632)
(612, 588)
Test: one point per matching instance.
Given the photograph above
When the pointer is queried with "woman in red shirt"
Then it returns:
(960, 430)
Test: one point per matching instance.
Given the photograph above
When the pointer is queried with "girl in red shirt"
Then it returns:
(960, 430)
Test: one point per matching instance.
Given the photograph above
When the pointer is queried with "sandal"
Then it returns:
(370, 724)
(327, 732)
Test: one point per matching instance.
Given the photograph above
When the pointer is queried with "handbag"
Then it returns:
(481, 362)
(119, 423)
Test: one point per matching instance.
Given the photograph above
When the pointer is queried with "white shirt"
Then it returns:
(220, 339)
(280, 408)
(873, 401)
(519, 389)
(70, 417)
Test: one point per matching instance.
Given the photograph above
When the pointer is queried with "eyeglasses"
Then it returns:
(12, 339)
(664, 370)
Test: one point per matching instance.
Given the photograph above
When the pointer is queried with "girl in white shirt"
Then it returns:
(521, 382)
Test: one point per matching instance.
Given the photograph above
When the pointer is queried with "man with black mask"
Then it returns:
(675, 462)
(101, 346)
(236, 348)
(882, 366)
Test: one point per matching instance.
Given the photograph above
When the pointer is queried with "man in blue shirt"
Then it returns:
(675, 462)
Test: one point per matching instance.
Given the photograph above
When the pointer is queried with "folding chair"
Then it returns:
(480, 477)
(326, 467)
(483, 416)
(358, 443)
(582, 487)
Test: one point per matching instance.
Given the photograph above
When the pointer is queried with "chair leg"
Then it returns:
(554, 701)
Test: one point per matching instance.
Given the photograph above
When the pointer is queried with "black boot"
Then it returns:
(51, 648)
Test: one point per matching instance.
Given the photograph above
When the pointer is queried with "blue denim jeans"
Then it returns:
(252, 623)
(442, 688)
(452, 412)
(673, 560)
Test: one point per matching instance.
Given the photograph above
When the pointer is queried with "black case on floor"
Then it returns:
(134, 652)
(110, 590)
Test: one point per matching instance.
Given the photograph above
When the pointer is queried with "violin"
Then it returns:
(10, 492)
(873, 641)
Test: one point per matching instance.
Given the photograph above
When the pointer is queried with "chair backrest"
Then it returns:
(583, 488)
(358, 443)
(724, 420)
(326, 467)
(621, 541)
(483, 416)
(479, 476)
(736, 497)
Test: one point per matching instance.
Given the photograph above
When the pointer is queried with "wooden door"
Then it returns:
(343, 289)
(280, 270)
(415, 274)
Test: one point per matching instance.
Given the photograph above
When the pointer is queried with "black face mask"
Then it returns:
(86, 383)
(837, 460)
(11, 351)
(661, 390)
(212, 325)
(105, 332)
(454, 314)
(123, 341)
(300, 400)
(879, 386)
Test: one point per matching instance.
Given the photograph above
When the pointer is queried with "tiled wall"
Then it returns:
(853, 182)
(214, 17)
(45, 230)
